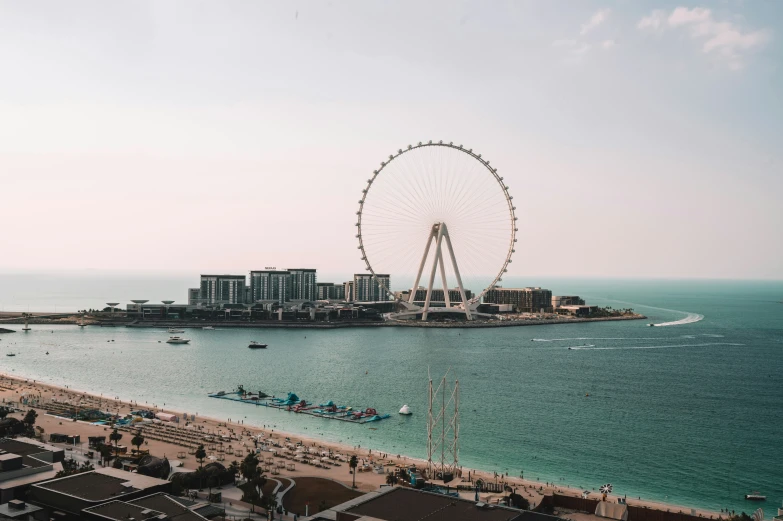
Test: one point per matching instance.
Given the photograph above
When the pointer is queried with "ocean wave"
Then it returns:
(657, 347)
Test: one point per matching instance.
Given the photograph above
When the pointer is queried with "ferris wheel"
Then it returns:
(429, 203)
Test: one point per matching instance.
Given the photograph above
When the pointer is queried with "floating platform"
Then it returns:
(292, 403)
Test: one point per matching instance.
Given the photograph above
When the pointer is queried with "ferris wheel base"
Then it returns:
(435, 314)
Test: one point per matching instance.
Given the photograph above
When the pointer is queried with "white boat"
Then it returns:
(255, 345)
(755, 496)
(175, 330)
(207, 327)
(405, 411)
(177, 340)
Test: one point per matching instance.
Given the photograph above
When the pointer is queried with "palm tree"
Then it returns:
(250, 472)
(248, 466)
(115, 436)
(137, 440)
(201, 455)
(105, 451)
(233, 469)
(353, 463)
(259, 480)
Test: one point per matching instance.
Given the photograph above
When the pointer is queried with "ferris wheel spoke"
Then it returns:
(433, 189)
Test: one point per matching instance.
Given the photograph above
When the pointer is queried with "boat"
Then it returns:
(755, 496)
(10, 354)
(255, 345)
(651, 325)
(177, 340)
(207, 327)
(175, 330)
(405, 411)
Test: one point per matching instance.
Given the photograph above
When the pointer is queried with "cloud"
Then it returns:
(608, 44)
(653, 21)
(724, 40)
(597, 19)
(683, 15)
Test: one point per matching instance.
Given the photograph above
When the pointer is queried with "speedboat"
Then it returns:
(405, 411)
(255, 345)
(651, 325)
(175, 330)
(755, 496)
(207, 327)
(177, 340)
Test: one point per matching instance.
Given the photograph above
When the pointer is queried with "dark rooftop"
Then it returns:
(169, 506)
(121, 511)
(403, 504)
(91, 486)
(21, 448)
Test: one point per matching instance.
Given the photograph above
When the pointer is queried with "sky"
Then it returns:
(639, 139)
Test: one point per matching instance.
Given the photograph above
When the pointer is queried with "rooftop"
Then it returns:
(8, 510)
(404, 503)
(25, 446)
(101, 484)
(176, 508)
(122, 511)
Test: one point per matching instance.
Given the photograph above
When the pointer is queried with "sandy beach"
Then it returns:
(241, 437)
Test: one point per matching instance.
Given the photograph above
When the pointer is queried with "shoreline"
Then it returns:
(367, 481)
(324, 325)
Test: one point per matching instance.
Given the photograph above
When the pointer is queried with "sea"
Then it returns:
(689, 412)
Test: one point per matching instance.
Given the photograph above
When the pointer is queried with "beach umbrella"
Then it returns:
(606, 489)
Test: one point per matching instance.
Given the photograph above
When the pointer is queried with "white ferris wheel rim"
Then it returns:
(499, 180)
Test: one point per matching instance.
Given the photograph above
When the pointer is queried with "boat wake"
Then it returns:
(576, 338)
(614, 338)
(706, 344)
(690, 319)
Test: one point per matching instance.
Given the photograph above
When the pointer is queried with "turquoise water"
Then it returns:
(690, 414)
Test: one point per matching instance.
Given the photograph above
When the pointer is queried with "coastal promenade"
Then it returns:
(14, 389)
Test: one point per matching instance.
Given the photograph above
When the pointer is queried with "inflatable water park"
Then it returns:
(292, 403)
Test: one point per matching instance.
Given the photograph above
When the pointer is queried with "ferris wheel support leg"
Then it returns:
(443, 278)
(456, 272)
(438, 243)
(430, 238)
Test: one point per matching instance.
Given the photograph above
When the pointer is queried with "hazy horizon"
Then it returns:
(639, 140)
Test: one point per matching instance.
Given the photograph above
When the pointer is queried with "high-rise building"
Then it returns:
(348, 291)
(571, 300)
(222, 289)
(324, 290)
(193, 296)
(337, 292)
(270, 284)
(437, 295)
(330, 291)
(527, 300)
(303, 284)
(370, 288)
